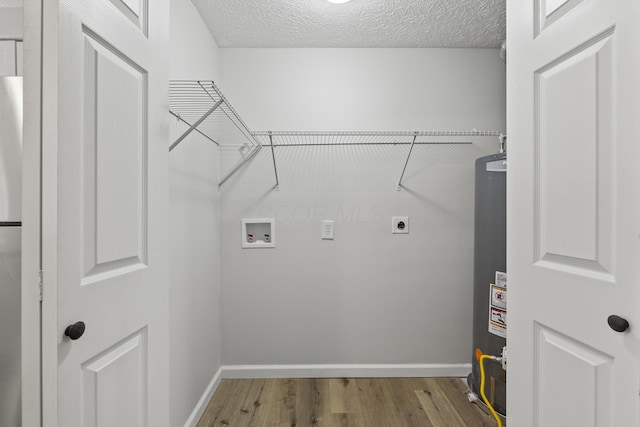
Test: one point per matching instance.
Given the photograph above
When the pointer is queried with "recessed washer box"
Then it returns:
(258, 233)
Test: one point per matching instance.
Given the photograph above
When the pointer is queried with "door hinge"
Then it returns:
(40, 285)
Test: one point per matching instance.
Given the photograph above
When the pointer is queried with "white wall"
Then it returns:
(11, 23)
(368, 296)
(365, 89)
(195, 239)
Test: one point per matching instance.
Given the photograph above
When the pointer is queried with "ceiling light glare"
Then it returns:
(338, 1)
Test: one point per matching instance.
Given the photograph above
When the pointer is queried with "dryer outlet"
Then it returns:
(400, 225)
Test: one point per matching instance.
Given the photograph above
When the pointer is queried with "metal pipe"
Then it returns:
(196, 124)
(273, 156)
(407, 162)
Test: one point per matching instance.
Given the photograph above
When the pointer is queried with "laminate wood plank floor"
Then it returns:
(354, 402)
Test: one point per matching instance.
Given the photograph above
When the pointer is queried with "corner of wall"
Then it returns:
(194, 51)
(195, 280)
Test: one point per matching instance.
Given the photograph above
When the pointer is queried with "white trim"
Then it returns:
(204, 400)
(31, 209)
(347, 371)
(49, 144)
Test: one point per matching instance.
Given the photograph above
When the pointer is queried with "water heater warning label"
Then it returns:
(498, 310)
(498, 297)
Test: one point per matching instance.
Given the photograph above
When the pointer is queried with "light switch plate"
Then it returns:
(400, 225)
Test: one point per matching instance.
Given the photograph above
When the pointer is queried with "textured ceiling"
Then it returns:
(359, 23)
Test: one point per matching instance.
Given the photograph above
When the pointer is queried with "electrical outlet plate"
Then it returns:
(327, 230)
(400, 225)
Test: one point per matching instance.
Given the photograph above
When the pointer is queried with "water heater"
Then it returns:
(489, 276)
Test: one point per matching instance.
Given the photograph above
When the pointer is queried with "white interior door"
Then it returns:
(106, 236)
(573, 212)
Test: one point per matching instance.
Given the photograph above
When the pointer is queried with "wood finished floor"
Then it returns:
(360, 402)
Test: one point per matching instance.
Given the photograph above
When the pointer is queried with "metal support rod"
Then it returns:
(407, 162)
(273, 156)
(177, 116)
(196, 124)
(249, 156)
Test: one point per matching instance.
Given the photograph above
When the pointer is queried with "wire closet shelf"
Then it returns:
(319, 138)
(201, 106)
(293, 139)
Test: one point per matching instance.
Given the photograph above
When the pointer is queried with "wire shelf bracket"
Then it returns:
(239, 166)
(407, 161)
(273, 156)
(195, 125)
(201, 105)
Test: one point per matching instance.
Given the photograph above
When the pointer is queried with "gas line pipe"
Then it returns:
(481, 358)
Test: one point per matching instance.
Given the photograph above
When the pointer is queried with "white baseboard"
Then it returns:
(204, 400)
(346, 371)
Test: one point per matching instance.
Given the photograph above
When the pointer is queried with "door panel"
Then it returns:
(109, 233)
(135, 11)
(114, 174)
(550, 11)
(114, 392)
(562, 360)
(573, 213)
(573, 153)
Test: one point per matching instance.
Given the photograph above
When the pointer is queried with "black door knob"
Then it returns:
(75, 331)
(617, 323)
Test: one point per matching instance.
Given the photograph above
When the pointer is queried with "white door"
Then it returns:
(105, 231)
(573, 85)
